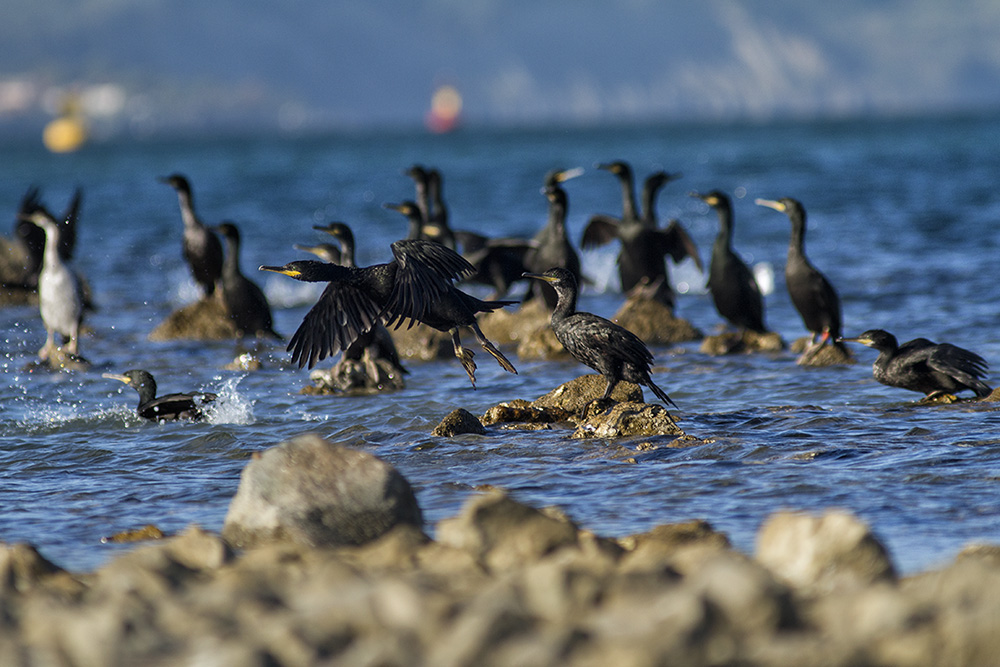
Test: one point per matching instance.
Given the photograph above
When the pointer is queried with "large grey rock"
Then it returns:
(316, 493)
(819, 554)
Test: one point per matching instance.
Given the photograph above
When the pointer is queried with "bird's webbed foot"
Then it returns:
(465, 355)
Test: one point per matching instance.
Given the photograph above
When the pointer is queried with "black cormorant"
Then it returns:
(419, 175)
(551, 247)
(33, 237)
(164, 408)
(377, 341)
(244, 300)
(921, 365)
(60, 294)
(611, 350)
(202, 249)
(810, 291)
(416, 286)
(734, 290)
(644, 246)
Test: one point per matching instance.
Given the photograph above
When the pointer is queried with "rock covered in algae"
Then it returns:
(627, 419)
(655, 323)
(732, 342)
(313, 492)
(205, 319)
(573, 396)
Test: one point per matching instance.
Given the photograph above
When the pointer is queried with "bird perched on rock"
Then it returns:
(244, 300)
(644, 246)
(60, 294)
(933, 369)
(417, 285)
(611, 350)
(811, 293)
(201, 248)
(164, 408)
(734, 289)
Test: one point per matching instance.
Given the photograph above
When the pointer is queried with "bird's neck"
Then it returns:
(557, 216)
(565, 305)
(797, 241)
(50, 256)
(649, 206)
(187, 209)
(725, 225)
(628, 199)
(231, 261)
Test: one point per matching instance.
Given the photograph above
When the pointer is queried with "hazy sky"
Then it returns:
(314, 62)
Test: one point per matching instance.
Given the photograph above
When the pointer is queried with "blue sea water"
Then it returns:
(904, 218)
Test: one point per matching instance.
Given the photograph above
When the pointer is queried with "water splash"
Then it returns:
(230, 407)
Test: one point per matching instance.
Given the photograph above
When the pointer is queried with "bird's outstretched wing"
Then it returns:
(342, 313)
(676, 242)
(425, 272)
(600, 230)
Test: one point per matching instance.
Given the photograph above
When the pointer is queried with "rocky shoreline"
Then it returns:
(324, 559)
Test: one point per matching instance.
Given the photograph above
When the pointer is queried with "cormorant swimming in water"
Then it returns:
(734, 290)
(377, 341)
(244, 300)
(811, 293)
(164, 408)
(551, 247)
(202, 249)
(921, 365)
(611, 350)
(33, 237)
(416, 286)
(60, 295)
(644, 246)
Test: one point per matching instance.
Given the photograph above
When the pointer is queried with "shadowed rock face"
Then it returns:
(316, 493)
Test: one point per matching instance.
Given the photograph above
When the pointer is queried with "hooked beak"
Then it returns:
(292, 273)
(770, 203)
(539, 276)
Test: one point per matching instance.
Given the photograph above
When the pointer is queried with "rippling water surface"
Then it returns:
(904, 218)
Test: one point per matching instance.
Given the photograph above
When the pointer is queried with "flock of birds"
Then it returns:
(359, 304)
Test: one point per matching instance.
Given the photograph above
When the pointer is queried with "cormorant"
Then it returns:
(419, 175)
(644, 246)
(734, 290)
(377, 341)
(812, 294)
(922, 365)
(202, 249)
(164, 408)
(60, 294)
(611, 350)
(33, 237)
(416, 286)
(244, 300)
(551, 247)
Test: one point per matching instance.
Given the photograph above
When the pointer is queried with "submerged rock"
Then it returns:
(313, 492)
(356, 376)
(654, 322)
(732, 342)
(206, 319)
(459, 422)
(626, 420)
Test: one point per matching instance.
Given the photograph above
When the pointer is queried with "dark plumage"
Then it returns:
(416, 286)
(611, 350)
(201, 248)
(32, 237)
(165, 408)
(811, 293)
(734, 289)
(644, 246)
(244, 300)
(551, 247)
(921, 365)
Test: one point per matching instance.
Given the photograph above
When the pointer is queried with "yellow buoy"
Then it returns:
(65, 134)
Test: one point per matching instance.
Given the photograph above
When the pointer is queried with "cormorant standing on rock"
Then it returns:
(60, 295)
(734, 290)
(165, 408)
(551, 247)
(611, 350)
(921, 365)
(416, 286)
(644, 246)
(244, 300)
(202, 249)
(811, 293)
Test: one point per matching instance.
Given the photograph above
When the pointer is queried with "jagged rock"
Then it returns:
(522, 411)
(573, 396)
(628, 419)
(655, 323)
(457, 422)
(357, 376)
(206, 319)
(22, 567)
(825, 355)
(503, 533)
(313, 492)
(748, 341)
(822, 553)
